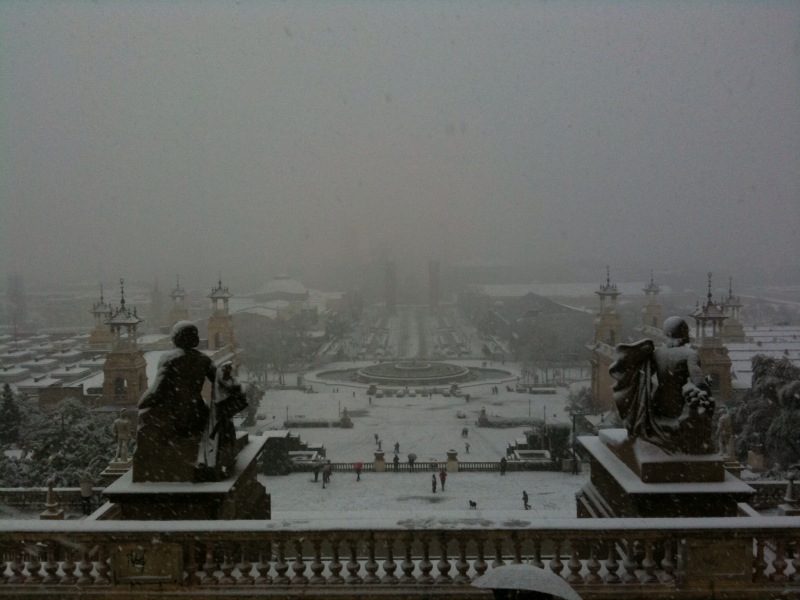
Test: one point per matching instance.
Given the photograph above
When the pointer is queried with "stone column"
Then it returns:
(452, 461)
(755, 460)
(52, 508)
(380, 462)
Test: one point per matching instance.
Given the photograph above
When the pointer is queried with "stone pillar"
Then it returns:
(379, 465)
(52, 509)
(452, 461)
(755, 461)
(791, 505)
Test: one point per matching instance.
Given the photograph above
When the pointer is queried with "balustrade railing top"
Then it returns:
(745, 557)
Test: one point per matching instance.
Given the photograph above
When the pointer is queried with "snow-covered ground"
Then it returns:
(428, 427)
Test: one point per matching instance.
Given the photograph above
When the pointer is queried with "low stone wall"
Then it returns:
(35, 498)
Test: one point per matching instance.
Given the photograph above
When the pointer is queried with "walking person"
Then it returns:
(433, 483)
(503, 465)
(397, 447)
(326, 474)
(525, 500)
(467, 446)
(396, 461)
(442, 477)
(358, 467)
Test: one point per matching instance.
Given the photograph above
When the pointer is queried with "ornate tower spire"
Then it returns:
(125, 369)
(709, 319)
(608, 326)
(651, 313)
(220, 324)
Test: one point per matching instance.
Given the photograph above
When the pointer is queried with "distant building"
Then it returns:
(390, 289)
(434, 284)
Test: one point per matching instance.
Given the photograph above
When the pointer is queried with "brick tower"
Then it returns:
(220, 323)
(714, 358)
(125, 369)
(179, 311)
(607, 333)
(651, 313)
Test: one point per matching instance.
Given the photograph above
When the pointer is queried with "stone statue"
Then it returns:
(725, 438)
(121, 429)
(173, 415)
(661, 394)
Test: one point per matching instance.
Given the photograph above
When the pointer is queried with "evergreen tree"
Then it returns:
(61, 443)
(9, 416)
(584, 401)
(770, 413)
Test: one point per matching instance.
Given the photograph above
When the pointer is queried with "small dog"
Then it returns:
(473, 504)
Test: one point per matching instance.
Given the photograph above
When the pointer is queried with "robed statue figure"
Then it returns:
(173, 416)
(661, 394)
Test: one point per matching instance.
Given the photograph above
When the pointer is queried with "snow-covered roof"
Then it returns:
(774, 342)
(563, 290)
(284, 285)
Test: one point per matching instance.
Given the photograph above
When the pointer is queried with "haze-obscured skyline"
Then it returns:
(148, 140)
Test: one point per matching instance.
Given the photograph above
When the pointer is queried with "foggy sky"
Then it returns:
(154, 139)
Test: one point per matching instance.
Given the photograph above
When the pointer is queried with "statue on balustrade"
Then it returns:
(218, 446)
(173, 416)
(121, 428)
(661, 394)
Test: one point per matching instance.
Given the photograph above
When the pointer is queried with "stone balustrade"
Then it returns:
(430, 556)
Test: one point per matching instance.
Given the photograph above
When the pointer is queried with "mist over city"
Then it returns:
(400, 299)
(159, 140)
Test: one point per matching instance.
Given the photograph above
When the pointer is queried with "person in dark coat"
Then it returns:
(433, 483)
(326, 474)
(396, 461)
(525, 500)
(503, 465)
(442, 477)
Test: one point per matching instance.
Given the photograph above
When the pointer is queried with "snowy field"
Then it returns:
(428, 427)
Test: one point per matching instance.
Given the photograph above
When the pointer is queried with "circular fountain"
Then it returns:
(413, 372)
(406, 373)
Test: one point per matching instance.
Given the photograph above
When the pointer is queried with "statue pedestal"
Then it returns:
(240, 496)
(379, 465)
(115, 470)
(452, 461)
(632, 478)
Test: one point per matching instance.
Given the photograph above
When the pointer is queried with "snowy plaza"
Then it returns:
(427, 427)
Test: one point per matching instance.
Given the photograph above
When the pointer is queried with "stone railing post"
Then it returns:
(452, 461)
(389, 566)
(379, 465)
(335, 566)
